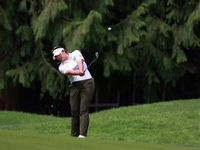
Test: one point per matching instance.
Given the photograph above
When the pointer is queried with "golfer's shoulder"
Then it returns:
(62, 64)
(75, 52)
(62, 67)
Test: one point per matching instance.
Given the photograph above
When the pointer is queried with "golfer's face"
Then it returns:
(61, 56)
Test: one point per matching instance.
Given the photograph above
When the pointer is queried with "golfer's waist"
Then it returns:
(84, 80)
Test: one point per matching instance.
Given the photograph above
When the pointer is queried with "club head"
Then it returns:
(97, 54)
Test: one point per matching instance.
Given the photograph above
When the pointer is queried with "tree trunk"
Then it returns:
(10, 98)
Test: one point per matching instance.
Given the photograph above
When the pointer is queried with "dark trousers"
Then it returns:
(80, 97)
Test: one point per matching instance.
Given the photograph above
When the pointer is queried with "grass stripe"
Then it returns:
(18, 140)
(169, 123)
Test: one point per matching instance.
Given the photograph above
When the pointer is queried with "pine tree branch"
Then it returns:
(69, 19)
(66, 18)
(175, 5)
(48, 64)
(118, 24)
(155, 17)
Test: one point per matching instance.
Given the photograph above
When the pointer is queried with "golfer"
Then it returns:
(82, 88)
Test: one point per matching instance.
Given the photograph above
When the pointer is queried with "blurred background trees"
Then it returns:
(149, 49)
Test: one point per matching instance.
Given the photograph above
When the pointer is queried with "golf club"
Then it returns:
(97, 55)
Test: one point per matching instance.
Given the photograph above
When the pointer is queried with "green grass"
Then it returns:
(17, 140)
(176, 122)
(166, 125)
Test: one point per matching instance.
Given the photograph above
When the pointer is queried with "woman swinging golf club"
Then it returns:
(82, 88)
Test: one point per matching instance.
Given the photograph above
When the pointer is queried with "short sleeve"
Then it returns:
(78, 55)
(62, 69)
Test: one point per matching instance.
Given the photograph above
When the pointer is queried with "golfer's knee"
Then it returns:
(75, 114)
(84, 113)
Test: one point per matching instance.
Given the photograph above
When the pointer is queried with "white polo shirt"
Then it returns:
(71, 63)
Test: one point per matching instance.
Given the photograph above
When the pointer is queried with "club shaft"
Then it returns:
(90, 64)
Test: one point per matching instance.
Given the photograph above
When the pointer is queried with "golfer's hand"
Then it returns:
(81, 73)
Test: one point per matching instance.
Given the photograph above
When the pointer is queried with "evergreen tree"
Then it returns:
(149, 37)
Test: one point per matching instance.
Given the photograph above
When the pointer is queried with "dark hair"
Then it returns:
(56, 47)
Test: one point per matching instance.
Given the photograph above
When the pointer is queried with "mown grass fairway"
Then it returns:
(17, 140)
(168, 125)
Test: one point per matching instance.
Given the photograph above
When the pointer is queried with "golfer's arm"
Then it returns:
(72, 72)
(80, 64)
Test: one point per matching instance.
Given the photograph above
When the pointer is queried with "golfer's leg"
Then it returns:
(86, 97)
(75, 111)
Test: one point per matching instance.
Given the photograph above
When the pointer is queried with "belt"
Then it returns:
(76, 82)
